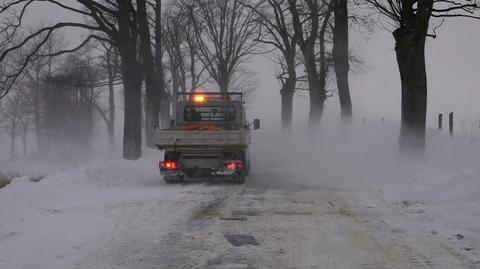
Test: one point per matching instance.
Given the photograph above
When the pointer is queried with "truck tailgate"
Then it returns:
(169, 138)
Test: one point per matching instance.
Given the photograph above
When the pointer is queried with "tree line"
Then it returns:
(155, 52)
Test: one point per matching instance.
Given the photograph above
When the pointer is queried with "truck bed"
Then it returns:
(174, 138)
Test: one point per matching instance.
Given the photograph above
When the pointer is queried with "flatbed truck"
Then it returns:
(208, 137)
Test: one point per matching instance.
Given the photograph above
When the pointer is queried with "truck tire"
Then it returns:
(239, 179)
(246, 161)
(173, 179)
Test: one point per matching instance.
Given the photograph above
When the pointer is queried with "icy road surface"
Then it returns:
(318, 228)
(203, 225)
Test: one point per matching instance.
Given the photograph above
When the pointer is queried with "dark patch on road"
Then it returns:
(459, 236)
(236, 218)
(37, 178)
(246, 212)
(295, 212)
(7, 235)
(239, 240)
(211, 210)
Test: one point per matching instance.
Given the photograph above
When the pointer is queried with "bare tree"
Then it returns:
(110, 63)
(16, 118)
(180, 42)
(152, 85)
(174, 37)
(30, 87)
(277, 22)
(341, 57)
(192, 47)
(126, 38)
(71, 99)
(31, 83)
(226, 32)
(157, 100)
(165, 97)
(180, 30)
(412, 22)
(11, 117)
(306, 18)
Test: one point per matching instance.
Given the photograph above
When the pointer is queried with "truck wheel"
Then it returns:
(246, 161)
(239, 179)
(173, 179)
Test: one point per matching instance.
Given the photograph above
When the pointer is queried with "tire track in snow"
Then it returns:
(140, 226)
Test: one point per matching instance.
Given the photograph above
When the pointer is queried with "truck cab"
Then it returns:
(208, 137)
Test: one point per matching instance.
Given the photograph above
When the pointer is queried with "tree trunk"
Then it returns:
(13, 128)
(36, 117)
(286, 93)
(223, 83)
(288, 89)
(111, 71)
(340, 58)
(111, 121)
(175, 83)
(132, 132)
(132, 81)
(193, 74)
(12, 147)
(307, 47)
(163, 95)
(165, 113)
(181, 67)
(317, 95)
(149, 124)
(320, 83)
(410, 51)
(316, 102)
(152, 109)
(24, 140)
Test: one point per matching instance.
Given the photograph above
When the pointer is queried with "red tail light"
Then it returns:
(168, 165)
(235, 165)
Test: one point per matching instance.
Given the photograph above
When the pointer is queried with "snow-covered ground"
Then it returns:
(339, 199)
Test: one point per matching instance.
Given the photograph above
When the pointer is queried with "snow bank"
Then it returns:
(57, 221)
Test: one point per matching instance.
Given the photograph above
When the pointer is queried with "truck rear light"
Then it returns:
(168, 165)
(235, 165)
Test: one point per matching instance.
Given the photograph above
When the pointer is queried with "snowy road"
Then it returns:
(121, 215)
(287, 227)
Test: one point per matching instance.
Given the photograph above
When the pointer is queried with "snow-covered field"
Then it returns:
(340, 199)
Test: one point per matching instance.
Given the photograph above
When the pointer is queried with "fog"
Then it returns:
(359, 157)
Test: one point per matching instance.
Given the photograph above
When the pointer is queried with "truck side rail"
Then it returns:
(171, 138)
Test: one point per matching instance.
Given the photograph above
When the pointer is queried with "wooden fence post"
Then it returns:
(440, 121)
(450, 123)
